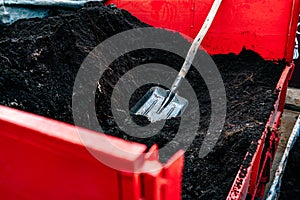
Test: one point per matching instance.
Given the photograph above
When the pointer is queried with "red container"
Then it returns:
(45, 159)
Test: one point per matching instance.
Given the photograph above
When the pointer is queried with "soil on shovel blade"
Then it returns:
(40, 58)
(290, 188)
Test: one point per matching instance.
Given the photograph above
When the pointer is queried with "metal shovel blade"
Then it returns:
(150, 103)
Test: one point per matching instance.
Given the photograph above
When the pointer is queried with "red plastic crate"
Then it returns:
(45, 159)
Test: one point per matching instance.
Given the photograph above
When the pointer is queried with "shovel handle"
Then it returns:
(195, 45)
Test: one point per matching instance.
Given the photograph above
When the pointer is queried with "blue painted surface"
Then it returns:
(25, 9)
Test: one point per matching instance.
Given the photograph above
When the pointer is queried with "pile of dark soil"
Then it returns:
(290, 188)
(40, 58)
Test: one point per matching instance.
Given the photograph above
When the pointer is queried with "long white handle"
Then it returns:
(191, 53)
(195, 45)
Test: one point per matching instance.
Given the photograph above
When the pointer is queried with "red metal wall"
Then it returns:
(266, 26)
(253, 184)
(45, 159)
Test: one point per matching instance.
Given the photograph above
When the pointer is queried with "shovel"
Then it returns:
(159, 104)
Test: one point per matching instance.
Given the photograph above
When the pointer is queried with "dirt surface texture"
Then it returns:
(290, 188)
(40, 58)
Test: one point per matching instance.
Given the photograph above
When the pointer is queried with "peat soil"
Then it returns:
(290, 188)
(40, 58)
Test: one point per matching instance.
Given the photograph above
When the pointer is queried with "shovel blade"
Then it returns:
(150, 103)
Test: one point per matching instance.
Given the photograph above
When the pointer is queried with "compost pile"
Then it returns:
(290, 187)
(40, 59)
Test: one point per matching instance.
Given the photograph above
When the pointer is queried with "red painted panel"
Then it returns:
(265, 26)
(42, 158)
(253, 184)
(29, 171)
